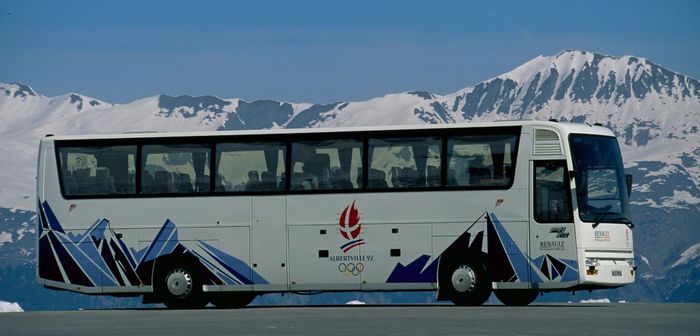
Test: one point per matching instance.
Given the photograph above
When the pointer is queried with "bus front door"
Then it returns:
(552, 235)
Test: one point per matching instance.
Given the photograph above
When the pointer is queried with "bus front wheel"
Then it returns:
(467, 283)
(180, 287)
(516, 297)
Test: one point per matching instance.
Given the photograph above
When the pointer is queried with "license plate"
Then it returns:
(616, 273)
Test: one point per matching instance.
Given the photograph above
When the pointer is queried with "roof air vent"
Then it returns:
(547, 143)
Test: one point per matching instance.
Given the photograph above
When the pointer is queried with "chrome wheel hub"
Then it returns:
(179, 282)
(463, 279)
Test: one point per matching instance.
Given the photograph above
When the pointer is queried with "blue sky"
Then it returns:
(319, 51)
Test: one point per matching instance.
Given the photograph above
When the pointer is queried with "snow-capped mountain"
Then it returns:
(654, 111)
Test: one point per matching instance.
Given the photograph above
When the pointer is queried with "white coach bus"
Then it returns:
(514, 207)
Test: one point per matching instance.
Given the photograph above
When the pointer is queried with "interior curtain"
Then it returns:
(420, 155)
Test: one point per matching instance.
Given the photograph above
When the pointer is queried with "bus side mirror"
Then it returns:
(628, 180)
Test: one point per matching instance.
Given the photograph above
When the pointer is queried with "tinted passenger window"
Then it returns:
(327, 165)
(404, 163)
(250, 166)
(481, 160)
(98, 170)
(552, 192)
(175, 169)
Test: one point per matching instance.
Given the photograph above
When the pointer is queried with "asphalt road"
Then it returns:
(565, 319)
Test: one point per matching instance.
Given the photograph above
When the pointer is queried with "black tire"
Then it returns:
(232, 300)
(516, 297)
(465, 282)
(180, 287)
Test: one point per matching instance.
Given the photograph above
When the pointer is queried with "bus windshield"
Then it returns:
(600, 179)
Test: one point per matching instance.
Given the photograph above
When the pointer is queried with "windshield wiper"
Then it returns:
(601, 215)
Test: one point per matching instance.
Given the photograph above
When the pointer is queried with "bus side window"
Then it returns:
(98, 170)
(481, 160)
(176, 169)
(327, 165)
(250, 167)
(404, 163)
(552, 199)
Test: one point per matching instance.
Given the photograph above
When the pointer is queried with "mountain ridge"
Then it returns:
(654, 112)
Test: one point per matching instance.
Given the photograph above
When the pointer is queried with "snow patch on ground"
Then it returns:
(691, 253)
(605, 300)
(645, 260)
(24, 229)
(679, 199)
(10, 307)
(355, 302)
(5, 237)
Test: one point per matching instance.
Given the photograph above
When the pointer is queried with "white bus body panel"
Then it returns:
(309, 242)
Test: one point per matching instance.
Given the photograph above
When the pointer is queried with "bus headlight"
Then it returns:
(631, 263)
(592, 262)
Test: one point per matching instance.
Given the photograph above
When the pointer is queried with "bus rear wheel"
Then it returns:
(232, 300)
(180, 287)
(466, 282)
(516, 297)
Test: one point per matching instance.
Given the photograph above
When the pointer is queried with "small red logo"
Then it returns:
(350, 222)
(350, 227)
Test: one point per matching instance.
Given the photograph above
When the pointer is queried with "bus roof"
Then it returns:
(564, 127)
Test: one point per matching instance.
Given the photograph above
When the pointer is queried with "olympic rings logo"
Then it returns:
(351, 269)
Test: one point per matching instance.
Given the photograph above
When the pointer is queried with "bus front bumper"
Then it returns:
(608, 270)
